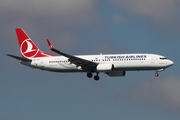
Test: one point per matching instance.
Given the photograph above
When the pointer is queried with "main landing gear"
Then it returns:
(96, 77)
(89, 75)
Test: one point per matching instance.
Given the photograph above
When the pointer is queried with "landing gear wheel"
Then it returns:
(96, 77)
(156, 74)
(89, 75)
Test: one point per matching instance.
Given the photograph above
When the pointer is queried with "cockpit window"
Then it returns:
(162, 58)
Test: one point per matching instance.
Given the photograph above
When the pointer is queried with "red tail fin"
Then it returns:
(28, 48)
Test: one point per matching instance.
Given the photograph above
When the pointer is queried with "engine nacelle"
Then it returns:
(116, 73)
(104, 67)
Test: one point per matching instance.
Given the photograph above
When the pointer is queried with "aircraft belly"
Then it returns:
(57, 67)
(135, 66)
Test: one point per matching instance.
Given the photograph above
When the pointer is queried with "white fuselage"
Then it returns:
(110, 64)
(121, 62)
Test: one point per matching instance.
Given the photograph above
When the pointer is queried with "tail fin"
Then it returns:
(28, 48)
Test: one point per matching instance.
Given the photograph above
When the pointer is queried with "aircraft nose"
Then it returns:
(171, 62)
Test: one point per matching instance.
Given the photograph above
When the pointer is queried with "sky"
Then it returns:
(90, 27)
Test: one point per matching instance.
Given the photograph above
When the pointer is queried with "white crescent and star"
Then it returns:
(28, 49)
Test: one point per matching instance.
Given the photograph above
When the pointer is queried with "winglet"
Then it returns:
(50, 45)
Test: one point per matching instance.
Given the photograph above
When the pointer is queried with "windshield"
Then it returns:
(162, 58)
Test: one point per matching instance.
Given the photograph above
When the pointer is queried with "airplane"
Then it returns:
(110, 64)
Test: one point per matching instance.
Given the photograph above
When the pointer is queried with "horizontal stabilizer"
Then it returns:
(19, 58)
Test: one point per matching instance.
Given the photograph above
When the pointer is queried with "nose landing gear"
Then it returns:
(156, 74)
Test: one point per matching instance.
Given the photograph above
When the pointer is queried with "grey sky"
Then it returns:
(90, 27)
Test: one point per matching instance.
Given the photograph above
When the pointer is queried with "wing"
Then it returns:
(85, 64)
(19, 58)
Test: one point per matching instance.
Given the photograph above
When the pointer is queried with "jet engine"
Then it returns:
(104, 67)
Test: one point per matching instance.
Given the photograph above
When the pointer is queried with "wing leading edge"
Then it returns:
(85, 64)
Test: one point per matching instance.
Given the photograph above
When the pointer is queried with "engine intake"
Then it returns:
(104, 67)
